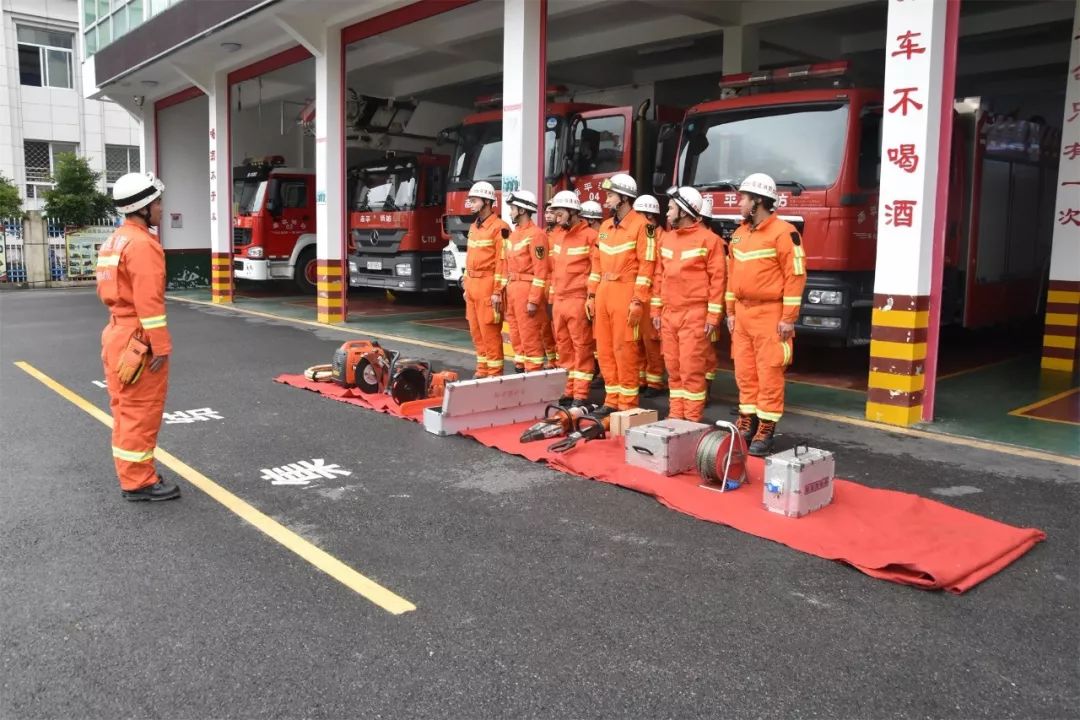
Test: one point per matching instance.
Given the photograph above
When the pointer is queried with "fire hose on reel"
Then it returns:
(721, 458)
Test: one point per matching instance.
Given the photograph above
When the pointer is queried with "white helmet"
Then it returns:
(622, 184)
(483, 190)
(647, 204)
(759, 184)
(591, 210)
(522, 199)
(687, 199)
(567, 200)
(135, 191)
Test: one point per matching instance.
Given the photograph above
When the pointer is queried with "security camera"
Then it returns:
(139, 100)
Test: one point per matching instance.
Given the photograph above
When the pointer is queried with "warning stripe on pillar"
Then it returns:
(1062, 326)
(898, 345)
(221, 278)
(329, 291)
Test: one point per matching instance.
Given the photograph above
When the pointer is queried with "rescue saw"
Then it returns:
(587, 428)
(558, 421)
(372, 369)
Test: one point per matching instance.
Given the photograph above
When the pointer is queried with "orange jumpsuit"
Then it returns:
(571, 262)
(688, 294)
(131, 283)
(523, 269)
(622, 271)
(652, 356)
(766, 277)
(479, 283)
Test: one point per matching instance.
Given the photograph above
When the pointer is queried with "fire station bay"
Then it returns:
(318, 155)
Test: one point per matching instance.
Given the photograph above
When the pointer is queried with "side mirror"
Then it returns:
(273, 198)
(660, 182)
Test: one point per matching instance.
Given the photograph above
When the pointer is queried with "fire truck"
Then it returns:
(821, 141)
(395, 240)
(583, 144)
(274, 222)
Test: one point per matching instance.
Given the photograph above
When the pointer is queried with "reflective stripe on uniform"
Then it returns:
(108, 261)
(787, 353)
(132, 455)
(524, 243)
(656, 302)
(616, 249)
(753, 254)
(643, 280)
(770, 417)
(557, 250)
(667, 253)
(798, 266)
(594, 277)
(654, 378)
(677, 394)
(696, 252)
(714, 308)
(748, 409)
(628, 392)
(650, 248)
(577, 250)
(729, 296)
(575, 375)
(481, 243)
(790, 300)
(699, 396)
(537, 282)
(152, 323)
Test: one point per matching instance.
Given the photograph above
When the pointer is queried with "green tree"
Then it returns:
(10, 201)
(75, 198)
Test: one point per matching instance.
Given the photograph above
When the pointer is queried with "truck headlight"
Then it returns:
(825, 297)
(352, 267)
(816, 321)
(255, 252)
(403, 269)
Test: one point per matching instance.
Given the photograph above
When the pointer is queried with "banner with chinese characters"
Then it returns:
(911, 135)
(1065, 256)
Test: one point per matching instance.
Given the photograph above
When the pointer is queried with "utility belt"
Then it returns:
(524, 277)
(478, 273)
(617, 277)
(756, 303)
(125, 321)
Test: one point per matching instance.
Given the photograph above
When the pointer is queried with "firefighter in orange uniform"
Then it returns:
(765, 288)
(550, 351)
(687, 302)
(620, 291)
(523, 270)
(572, 245)
(651, 376)
(593, 213)
(135, 345)
(483, 297)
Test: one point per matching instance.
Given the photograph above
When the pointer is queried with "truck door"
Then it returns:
(600, 147)
(292, 214)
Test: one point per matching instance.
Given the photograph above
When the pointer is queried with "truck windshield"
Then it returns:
(248, 196)
(793, 143)
(478, 155)
(385, 188)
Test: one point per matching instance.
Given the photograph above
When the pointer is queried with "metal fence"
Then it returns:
(71, 252)
(12, 266)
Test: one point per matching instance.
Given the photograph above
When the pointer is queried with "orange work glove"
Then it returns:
(590, 307)
(634, 316)
(132, 360)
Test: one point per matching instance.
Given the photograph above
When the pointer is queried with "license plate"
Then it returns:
(374, 264)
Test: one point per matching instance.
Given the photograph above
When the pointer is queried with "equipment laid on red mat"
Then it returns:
(799, 481)
(587, 428)
(667, 447)
(357, 363)
(372, 369)
(558, 421)
(721, 458)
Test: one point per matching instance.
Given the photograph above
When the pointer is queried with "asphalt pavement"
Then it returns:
(537, 594)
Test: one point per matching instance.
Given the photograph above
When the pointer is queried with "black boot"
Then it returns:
(763, 439)
(580, 403)
(650, 392)
(747, 425)
(566, 401)
(604, 411)
(161, 490)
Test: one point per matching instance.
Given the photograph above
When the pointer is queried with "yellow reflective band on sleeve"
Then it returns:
(656, 302)
(789, 300)
(650, 248)
(153, 323)
(643, 280)
(537, 282)
(108, 261)
(798, 265)
(557, 250)
(481, 243)
(616, 249)
(667, 253)
(714, 308)
(696, 252)
(132, 455)
(753, 254)
(594, 277)
(578, 250)
(729, 296)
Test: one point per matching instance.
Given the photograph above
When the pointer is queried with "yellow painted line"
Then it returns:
(1045, 401)
(322, 560)
(967, 371)
(1063, 296)
(343, 328)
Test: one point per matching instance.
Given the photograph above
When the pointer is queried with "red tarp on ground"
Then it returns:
(886, 534)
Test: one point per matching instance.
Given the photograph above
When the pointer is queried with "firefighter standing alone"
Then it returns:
(483, 299)
(687, 302)
(766, 277)
(135, 345)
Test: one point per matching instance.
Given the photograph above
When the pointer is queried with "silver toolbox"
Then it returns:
(799, 481)
(667, 447)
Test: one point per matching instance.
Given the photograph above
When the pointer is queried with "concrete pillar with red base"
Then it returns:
(220, 192)
(524, 78)
(920, 64)
(1059, 353)
(329, 176)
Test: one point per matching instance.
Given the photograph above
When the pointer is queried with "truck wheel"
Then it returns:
(306, 273)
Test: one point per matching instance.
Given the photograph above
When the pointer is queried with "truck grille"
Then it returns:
(241, 236)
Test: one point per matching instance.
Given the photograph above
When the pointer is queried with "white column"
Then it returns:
(1063, 296)
(148, 149)
(741, 47)
(220, 192)
(524, 70)
(920, 52)
(329, 178)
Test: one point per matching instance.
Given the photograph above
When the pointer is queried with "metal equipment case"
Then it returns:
(799, 481)
(667, 447)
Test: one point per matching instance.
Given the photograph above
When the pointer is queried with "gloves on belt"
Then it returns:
(634, 316)
(133, 360)
(590, 307)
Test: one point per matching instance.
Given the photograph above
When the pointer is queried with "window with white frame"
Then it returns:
(107, 20)
(45, 57)
(120, 160)
(40, 158)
